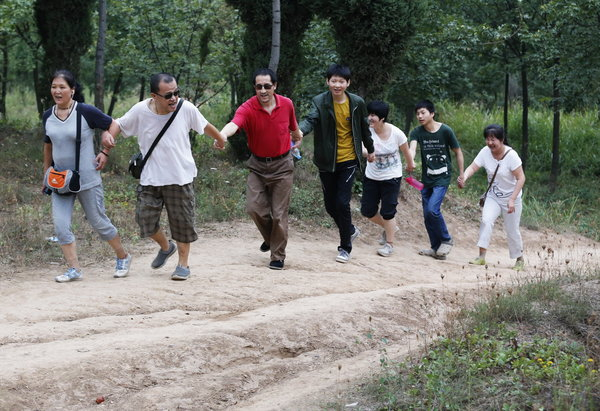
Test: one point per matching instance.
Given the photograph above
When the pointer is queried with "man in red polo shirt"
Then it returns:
(268, 120)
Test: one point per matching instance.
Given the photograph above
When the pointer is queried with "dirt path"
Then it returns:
(237, 335)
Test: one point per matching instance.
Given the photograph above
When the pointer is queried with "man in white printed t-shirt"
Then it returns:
(167, 177)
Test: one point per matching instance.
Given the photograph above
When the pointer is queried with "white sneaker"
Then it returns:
(70, 275)
(343, 256)
(122, 268)
(355, 234)
(386, 250)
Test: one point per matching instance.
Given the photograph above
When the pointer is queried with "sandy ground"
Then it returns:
(237, 335)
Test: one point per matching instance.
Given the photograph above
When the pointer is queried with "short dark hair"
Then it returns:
(157, 78)
(70, 79)
(426, 104)
(264, 72)
(380, 108)
(338, 70)
(495, 130)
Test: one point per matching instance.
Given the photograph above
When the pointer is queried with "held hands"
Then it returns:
(370, 157)
(219, 143)
(461, 181)
(108, 140)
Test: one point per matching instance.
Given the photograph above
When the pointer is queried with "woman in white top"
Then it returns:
(381, 183)
(504, 195)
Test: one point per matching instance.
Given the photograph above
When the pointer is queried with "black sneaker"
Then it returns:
(276, 265)
(264, 247)
(163, 256)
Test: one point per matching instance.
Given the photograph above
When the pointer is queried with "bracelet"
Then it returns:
(104, 153)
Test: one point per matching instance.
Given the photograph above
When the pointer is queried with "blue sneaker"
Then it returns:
(355, 234)
(163, 256)
(122, 268)
(70, 275)
(181, 273)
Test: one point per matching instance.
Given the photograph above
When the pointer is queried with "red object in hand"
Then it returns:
(415, 183)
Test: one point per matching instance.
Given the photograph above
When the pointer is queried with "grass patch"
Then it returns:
(531, 346)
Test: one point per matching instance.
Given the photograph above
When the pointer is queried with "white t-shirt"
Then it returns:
(171, 162)
(387, 164)
(505, 182)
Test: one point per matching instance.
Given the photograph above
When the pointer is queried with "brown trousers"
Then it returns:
(268, 195)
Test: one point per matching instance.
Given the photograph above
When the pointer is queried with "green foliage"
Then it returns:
(513, 354)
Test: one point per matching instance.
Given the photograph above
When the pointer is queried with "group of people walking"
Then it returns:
(349, 136)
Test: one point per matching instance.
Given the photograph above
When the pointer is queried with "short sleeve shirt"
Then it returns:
(268, 133)
(387, 164)
(435, 154)
(171, 162)
(505, 181)
(62, 135)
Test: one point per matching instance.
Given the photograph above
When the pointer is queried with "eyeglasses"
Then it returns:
(266, 86)
(169, 95)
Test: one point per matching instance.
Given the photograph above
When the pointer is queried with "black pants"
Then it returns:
(337, 192)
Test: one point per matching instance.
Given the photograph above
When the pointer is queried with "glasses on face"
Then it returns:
(169, 95)
(266, 86)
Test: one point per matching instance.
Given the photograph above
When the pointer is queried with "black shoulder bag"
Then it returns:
(138, 161)
(484, 196)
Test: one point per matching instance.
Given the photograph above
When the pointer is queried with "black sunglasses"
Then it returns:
(266, 86)
(169, 95)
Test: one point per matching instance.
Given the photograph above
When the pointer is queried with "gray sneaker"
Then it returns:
(71, 274)
(163, 256)
(122, 268)
(383, 236)
(355, 234)
(343, 256)
(181, 273)
(444, 248)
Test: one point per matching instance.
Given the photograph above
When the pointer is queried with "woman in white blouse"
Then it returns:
(503, 197)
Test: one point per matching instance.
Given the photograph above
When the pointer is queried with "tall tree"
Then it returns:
(276, 36)
(65, 30)
(99, 72)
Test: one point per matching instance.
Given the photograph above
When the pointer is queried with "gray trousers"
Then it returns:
(92, 202)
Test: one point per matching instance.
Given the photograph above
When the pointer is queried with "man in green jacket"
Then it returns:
(339, 122)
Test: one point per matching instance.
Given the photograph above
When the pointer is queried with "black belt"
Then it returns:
(269, 159)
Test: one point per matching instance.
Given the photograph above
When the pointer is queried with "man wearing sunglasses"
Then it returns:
(167, 177)
(268, 120)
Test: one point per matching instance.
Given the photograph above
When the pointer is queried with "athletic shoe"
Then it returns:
(355, 234)
(181, 273)
(122, 268)
(519, 265)
(163, 256)
(444, 248)
(70, 275)
(383, 237)
(264, 247)
(276, 265)
(386, 250)
(343, 256)
(429, 252)
(477, 261)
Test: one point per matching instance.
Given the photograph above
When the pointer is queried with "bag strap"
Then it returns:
(157, 139)
(78, 139)
(495, 172)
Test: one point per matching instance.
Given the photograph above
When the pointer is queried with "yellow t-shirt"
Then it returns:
(343, 127)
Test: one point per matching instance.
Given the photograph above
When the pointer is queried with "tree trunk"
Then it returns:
(525, 116)
(555, 169)
(275, 36)
(506, 101)
(99, 75)
(4, 76)
(116, 91)
(142, 87)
